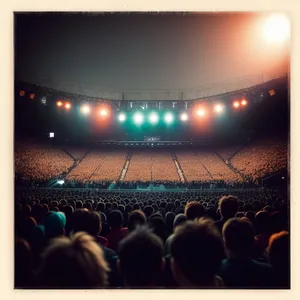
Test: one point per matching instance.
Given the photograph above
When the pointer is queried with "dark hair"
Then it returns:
(179, 219)
(194, 210)
(279, 256)
(140, 253)
(238, 235)
(135, 218)
(228, 206)
(86, 221)
(197, 249)
(115, 219)
(262, 221)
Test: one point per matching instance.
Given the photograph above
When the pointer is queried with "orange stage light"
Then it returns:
(103, 112)
(201, 112)
(59, 103)
(236, 104)
(244, 102)
(22, 93)
(68, 105)
(31, 96)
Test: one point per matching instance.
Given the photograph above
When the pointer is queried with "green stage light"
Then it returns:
(122, 117)
(138, 118)
(169, 118)
(153, 118)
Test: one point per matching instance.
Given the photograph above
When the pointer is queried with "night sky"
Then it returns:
(141, 51)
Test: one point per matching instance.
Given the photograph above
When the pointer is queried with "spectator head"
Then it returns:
(238, 236)
(79, 204)
(141, 258)
(194, 210)
(239, 214)
(279, 255)
(54, 224)
(169, 218)
(278, 221)
(157, 223)
(23, 264)
(179, 219)
(262, 221)
(250, 215)
(228, 206)
(101, 207)
(68, 210)
(136, 218)
(148, 210)
(25, 227)
(115, 219)
(87, 221)
(87, 205)
(197, 250)
(73, 263)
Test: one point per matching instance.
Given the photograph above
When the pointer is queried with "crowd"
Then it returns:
(217, 168)
(257, 161)
(88, 239)
(38, 163)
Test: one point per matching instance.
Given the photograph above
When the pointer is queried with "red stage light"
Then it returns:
(31, 96)
(59, 103)
(22, 93)
(236, 104)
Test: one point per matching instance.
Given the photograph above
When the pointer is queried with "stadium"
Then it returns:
(137, 166)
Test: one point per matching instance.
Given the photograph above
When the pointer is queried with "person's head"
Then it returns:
(141, 258)
(239, 214)
(169, 218)
(158, 224)
(228, 206)
(23, 263)
(279, 254)
(115, 219)
(73, 263)
(197, 251)
(87, 221)
(238, 236)
(54, 224)
(262, 221)
(136, 218)
(194, 210)
(179, 219)
(25, 226)
(278, 221)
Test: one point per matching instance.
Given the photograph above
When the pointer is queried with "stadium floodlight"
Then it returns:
(153, 118)
(169, 118)
(61, 182)
(219, 108)
(244, 102)
(103, 112)
(59, 103)
(68, 105)
(184, 117)
(277, 28)
(138, 118)
(236, 104)
(122, 117)
(201, 112)
(85, 109)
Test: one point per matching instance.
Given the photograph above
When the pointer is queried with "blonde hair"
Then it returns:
(74, 262)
